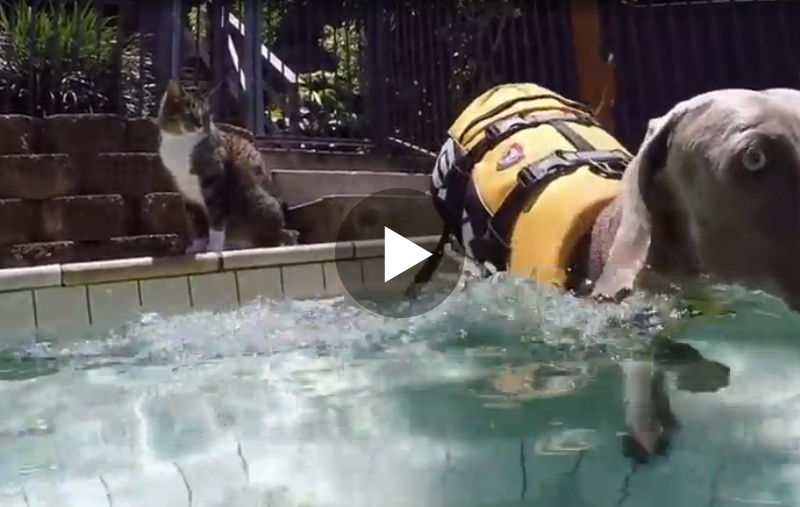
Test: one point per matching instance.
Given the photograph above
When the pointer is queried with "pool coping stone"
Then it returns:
(143, 268)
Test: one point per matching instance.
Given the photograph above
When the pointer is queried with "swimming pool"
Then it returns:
(507, 394)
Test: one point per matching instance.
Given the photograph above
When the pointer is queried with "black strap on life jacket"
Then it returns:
(501, 130)
(535, 176)
(573, 137)
(426, 271)
(572, 104)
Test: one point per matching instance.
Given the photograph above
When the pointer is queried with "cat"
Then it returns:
(222, 176)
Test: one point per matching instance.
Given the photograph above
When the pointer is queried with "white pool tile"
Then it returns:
(152, 484)
(63, 310)
(214, 479)
(373, 272)
(255, 283)
(215, 291)
(16, 312)
(166, 296)
(113, 304)
(73, 492)
(351, 270)
(303, 281)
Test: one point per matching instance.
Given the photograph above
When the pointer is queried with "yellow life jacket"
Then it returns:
(517, 131)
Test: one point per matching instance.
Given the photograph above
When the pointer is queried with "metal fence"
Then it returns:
(443, 54)
(283, 67)
(440, 55)
(394, 71)
(667, 51)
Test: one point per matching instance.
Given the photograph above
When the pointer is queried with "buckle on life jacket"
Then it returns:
(560, 161)
(501, 129)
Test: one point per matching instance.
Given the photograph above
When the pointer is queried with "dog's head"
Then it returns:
(716, 186)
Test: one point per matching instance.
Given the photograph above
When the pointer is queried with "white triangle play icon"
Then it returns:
(400, 254)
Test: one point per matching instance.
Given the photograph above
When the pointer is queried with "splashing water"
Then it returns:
(507, 394)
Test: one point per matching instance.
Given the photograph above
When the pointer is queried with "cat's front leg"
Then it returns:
(215, 202)
(214, 187)
(216, 239)
(216, 223)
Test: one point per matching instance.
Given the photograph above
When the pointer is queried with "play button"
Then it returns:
(400, 254)
(385, 239)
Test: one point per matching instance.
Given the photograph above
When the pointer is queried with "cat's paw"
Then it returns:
(199, 245)
(290, 237)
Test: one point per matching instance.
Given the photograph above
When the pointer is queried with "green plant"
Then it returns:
(328, 101)
(66, 57)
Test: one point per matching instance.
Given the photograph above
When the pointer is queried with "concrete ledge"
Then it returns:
(299, 254)
(117, 270)
(14, 279)
(144, 268)
(369, 248)
(90, 298)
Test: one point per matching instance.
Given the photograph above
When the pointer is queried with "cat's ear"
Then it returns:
(174, 89)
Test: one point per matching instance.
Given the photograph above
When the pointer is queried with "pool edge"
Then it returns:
(100, 295)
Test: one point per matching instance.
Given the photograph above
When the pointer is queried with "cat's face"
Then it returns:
(181, 112)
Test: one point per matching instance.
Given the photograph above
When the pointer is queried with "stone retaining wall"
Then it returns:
(85, 187)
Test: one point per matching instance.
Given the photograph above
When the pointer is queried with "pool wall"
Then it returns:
(94, 297)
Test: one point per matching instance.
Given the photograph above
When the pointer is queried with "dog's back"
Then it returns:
(522, 176)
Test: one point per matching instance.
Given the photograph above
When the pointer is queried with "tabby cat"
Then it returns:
(221, 175)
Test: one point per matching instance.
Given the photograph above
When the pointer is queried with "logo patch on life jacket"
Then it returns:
(513, 154)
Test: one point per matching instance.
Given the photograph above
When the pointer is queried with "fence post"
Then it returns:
(377, 71)
(218, 35)
(596, 78)
(165, 22)
(251, 60)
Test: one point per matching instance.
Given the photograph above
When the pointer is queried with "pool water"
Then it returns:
(507, 394)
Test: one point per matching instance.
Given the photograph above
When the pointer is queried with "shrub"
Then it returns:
(66, 58)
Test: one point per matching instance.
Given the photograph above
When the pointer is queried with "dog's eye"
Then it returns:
(754, 159)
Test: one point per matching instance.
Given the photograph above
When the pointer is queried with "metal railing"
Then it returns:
(396, 72)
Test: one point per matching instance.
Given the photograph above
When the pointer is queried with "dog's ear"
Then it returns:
(630, 247)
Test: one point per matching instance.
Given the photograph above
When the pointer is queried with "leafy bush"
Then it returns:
(65, 58)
